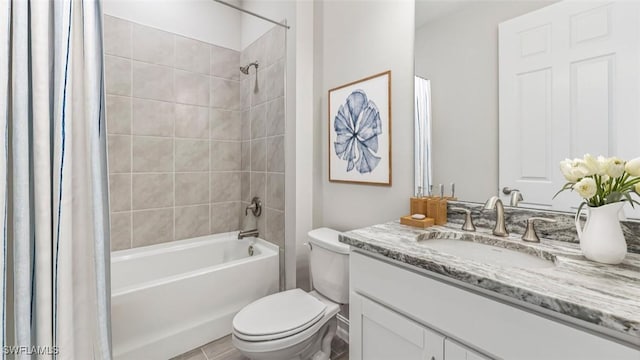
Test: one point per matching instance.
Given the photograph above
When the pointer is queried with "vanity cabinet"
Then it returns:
(386, 334)
(398, 311)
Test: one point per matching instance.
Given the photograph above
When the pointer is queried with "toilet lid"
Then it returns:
(287, 311)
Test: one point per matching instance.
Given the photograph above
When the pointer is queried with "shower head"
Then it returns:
(245, 69)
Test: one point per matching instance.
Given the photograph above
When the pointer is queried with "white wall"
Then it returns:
(359, 39)
(203, 20)
(459, 54)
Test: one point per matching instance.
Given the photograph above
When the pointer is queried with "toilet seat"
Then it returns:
(278, 316)
(254, 344)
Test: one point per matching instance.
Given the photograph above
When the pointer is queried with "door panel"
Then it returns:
(568, 86)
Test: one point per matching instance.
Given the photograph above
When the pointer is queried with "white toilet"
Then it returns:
(295, 325)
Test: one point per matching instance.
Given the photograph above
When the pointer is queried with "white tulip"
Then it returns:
(591, 164)
(586, 188)
(614, 167)
(633, 167)
(573, 170)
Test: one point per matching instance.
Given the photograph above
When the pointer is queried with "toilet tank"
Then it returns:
(329, 265)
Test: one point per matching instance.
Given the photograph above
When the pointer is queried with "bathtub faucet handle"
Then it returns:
(255, 207)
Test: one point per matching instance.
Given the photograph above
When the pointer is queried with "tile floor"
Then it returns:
(222, 349)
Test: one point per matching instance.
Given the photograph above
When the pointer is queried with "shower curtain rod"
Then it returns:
(252, 13)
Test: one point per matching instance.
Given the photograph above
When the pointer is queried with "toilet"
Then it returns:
(294, 324)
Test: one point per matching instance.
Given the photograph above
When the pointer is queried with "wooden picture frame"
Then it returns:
(360, 131)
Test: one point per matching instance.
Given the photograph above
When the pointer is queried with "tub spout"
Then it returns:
(248, 233)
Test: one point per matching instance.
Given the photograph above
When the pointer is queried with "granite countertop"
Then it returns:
(605, 295)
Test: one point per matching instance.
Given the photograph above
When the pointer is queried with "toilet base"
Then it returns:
(316, 347)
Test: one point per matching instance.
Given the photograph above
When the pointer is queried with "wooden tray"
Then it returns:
(424, 223)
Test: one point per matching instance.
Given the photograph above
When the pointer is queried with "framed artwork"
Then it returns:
(360, 131)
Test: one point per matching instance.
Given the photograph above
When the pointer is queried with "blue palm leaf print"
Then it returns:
(357, 125)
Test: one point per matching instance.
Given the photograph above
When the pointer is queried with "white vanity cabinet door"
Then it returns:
(385, 334)
(454, 351)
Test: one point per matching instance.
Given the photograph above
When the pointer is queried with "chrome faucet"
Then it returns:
(500, 228)
(248, 233)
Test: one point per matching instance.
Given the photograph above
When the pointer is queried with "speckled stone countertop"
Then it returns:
(605, 295)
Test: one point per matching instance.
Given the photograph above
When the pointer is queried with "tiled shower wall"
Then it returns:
(262, 105)
(176, 138)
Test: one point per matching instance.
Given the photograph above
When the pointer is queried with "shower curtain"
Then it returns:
(53, 185)
(422, 135)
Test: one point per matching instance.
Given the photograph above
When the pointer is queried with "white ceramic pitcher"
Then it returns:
(601, 239)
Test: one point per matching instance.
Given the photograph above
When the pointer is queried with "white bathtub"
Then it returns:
(170, 298)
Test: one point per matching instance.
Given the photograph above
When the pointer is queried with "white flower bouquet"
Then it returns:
(601, 181)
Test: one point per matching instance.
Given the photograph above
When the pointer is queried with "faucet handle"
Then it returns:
(530, 234)
(468, 221)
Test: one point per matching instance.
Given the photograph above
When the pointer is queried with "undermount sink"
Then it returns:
(497, 252)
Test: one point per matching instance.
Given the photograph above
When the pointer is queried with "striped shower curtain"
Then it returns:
(53, 186)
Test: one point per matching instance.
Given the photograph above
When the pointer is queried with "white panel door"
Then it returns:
(568, 86)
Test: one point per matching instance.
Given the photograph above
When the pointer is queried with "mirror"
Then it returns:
(480, 63)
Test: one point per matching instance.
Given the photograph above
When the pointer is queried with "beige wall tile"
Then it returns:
(225, 186)
(225, 63)
(192, 55)
(191, 88)
(225, 94)
(274, 79)
(258, 121)
(275, 117)
(245, 160)
(119, 153)
(247, 85)
(152, 154)
(275, 47)
(226, 155)
(120, 230)
(152, 81)
(120, 192)
(245, 119)
(275, 227)
(117, 75)
(258, 155)
(275, 191)
(192, 155)
(118, 115)
(275, 154)
(224, 217)
(192, 221)
(153, 45)
(152, 191)
(259, 94)
(192, 188)
(152, 226)
(192, 121)
(254, 52)
(117, 36)
(225, 124)
(258, 185)
(245, 186)
(151, 117)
